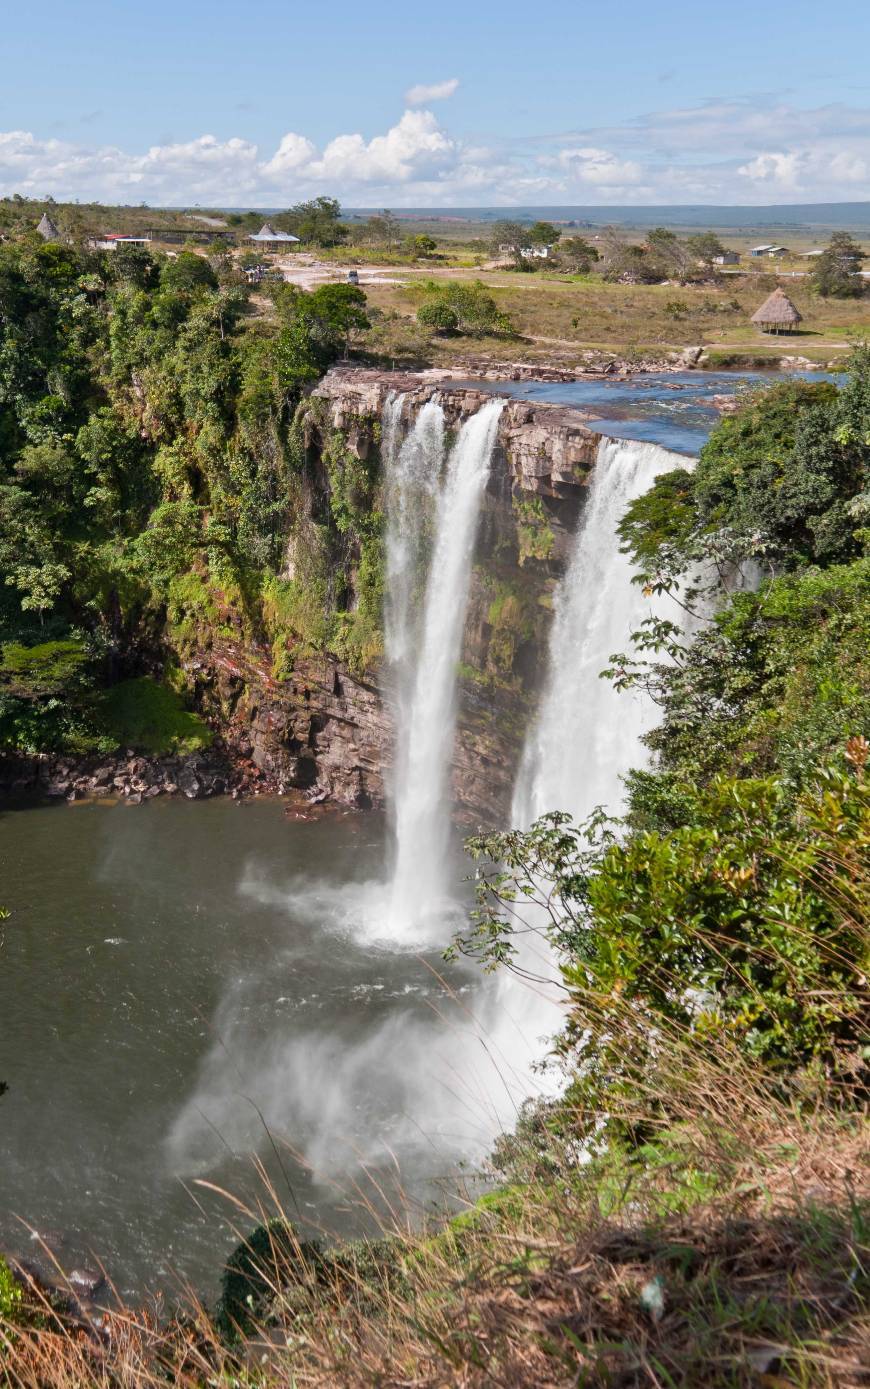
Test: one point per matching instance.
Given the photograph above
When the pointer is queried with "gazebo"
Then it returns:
(777, 314)
(46, 228)
(271, 240)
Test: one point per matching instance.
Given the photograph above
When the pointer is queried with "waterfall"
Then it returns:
(424, 642)
(413, 467)
(587, 734)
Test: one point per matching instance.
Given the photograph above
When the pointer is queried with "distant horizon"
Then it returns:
(822, 213)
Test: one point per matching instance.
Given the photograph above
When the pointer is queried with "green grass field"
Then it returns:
(557, 316)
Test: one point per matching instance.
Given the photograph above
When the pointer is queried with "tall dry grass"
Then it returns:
(721, 1236)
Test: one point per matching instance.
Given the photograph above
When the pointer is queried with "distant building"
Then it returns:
(110, 241)
(727, 258)
(270, 240)
(806, 254)
(46, 228)
(528, 252)
(777, 314)
(769, 250)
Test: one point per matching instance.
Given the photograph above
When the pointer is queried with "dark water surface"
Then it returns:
(673, 409)
(176, 975)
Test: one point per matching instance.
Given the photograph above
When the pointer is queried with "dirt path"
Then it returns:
(307, 272)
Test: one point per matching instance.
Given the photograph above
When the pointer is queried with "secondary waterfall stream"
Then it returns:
(586, 734)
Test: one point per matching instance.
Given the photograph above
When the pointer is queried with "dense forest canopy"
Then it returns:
(150, 469)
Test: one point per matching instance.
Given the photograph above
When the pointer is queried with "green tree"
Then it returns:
(133, 265)
(578, 254)
(420, 245)
(542, 234)
(187, 273)
(438, 315)
(474, 308)
(341, 308)
(706, 246)
(835, 274)
(317, 222)
(509, 239)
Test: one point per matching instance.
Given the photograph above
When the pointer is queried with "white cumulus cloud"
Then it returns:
(423, 93)
(597, 166)
(779, 168)
(721, 152)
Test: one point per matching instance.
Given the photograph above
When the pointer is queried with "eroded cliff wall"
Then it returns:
(306, 720)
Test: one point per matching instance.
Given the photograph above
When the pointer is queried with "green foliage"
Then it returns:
(706, 246)
(777, 683)
(510, 624)
(45, 696)
(341, 307)
(10, 1292)
(150, 718)
(317, 222)
(835, 273)
(543, 234)
(187, 273)
(577, 254)
(534, 533)
(438, 315)
(780, 482)
(151, 461)
(750, 923)
(50, 668)
(421, 246)
(469, 305)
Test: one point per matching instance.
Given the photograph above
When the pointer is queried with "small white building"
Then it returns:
(110, 241)
(727, 258)
(267, 239)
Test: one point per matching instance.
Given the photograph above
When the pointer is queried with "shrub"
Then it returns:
(439, 316)
(151, 718)
(469, 303)
(10, 1291)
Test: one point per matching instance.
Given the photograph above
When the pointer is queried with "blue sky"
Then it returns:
(514, 103)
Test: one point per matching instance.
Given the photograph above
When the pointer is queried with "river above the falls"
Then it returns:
(673, 409)
(180, 977)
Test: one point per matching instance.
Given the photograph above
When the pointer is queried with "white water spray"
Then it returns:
(426, 653)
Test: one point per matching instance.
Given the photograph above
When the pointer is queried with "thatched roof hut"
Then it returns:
(777, 314)
(47, 230)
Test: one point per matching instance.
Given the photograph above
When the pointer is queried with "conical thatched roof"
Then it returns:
(266, 230)
(47, 230)
(777, 311)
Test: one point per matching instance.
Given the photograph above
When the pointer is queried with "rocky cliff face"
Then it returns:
(328, 730)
